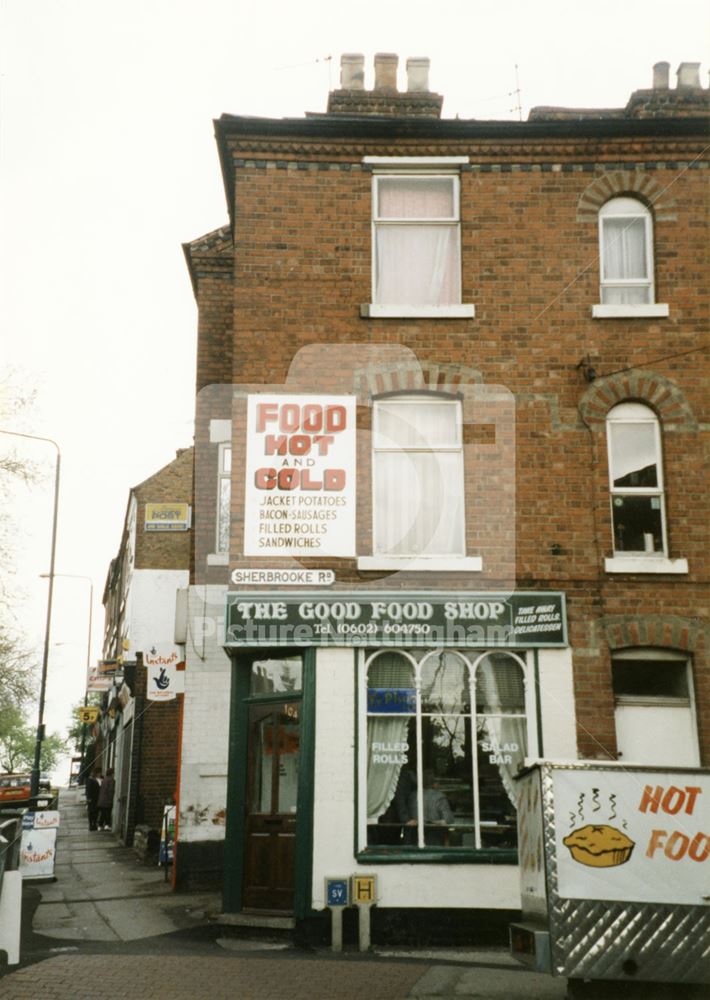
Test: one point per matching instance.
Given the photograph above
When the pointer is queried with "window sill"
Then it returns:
(657, 309)
(444, 855)
(370, 310)
(414, 564)
(218, 559)
(645, 564)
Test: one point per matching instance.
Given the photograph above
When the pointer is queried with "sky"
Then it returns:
(108, 164)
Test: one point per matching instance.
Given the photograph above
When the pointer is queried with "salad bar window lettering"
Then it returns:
(446, 734)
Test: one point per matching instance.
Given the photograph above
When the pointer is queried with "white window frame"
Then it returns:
(224, 474)
(413, 167)
(634, 560)
(631, 210)
(471, 658)
(415, 560)
(668, 656)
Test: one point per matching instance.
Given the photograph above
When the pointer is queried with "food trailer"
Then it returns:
(615, 872)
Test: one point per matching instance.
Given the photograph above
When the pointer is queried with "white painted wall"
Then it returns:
(205, 728)
(152, 612)
(559, 735)
(439, 885)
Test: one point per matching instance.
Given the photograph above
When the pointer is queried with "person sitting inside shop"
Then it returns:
(438, 814)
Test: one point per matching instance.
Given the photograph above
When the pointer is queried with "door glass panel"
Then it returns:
(276, 676)
(262, 749)
(289, 755)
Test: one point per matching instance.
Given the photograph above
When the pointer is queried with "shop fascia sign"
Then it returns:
(383, 618)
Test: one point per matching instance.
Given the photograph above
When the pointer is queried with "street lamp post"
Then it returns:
(80, 576)
(34, 780)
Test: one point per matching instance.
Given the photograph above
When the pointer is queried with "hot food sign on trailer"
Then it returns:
(300, 476)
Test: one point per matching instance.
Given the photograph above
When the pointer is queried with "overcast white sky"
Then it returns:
(108, 164)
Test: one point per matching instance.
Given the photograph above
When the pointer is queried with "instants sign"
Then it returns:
(396, 619)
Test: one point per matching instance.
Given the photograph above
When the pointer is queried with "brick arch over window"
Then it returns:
(661, 631)
(642, 386)
(625, 182)
(413, 377)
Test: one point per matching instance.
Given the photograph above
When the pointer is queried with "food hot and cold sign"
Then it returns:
(300, 476)
(300, 501)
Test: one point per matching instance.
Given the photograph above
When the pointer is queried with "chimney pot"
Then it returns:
(661, 72)
(352, 71)
(688, 75)
(386, 71)
(418, 75)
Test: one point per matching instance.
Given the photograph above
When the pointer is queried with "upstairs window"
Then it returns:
(636, 480)
(416, 238)
(418, 476)
(626, 253)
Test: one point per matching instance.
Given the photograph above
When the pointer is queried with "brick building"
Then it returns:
(449, 480)
(140, 735)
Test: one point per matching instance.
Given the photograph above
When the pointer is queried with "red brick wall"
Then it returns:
(302, 267)
(173, 484)
(159, 755)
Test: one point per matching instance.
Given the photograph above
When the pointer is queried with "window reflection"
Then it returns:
(441, 765)
(276, 676)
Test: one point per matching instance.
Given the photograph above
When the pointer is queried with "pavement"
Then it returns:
(111, 927)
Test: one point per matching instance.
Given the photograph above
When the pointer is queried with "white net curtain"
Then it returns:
(416, 262)
(625, 250)
(418, 477)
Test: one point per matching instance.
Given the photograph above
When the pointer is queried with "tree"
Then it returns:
(76, 734)
(17, 674)
(14, 399)
(17, 743)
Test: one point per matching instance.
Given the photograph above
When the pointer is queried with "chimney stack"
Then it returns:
(352, 71)
(418, 75)
(688, 75)
(661, 71)
(384, 99)
(386, 71)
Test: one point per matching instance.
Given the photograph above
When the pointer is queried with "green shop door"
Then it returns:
(272, 794)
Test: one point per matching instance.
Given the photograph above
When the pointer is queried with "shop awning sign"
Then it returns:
(521, 620)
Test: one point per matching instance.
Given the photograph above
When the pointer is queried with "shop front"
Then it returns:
(381, 732)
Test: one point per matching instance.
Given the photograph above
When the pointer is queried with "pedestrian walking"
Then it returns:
(92, 789)
(105, 801)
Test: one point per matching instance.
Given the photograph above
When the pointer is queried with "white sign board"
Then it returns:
(96, 681)
(47, 819)
(632, 835)
(300, 476)
(283, 577)
(164, 680)
(37, 853)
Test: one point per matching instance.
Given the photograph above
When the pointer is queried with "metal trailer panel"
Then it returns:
(597, 939)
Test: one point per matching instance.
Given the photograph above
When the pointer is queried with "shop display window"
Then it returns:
(446, 732)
